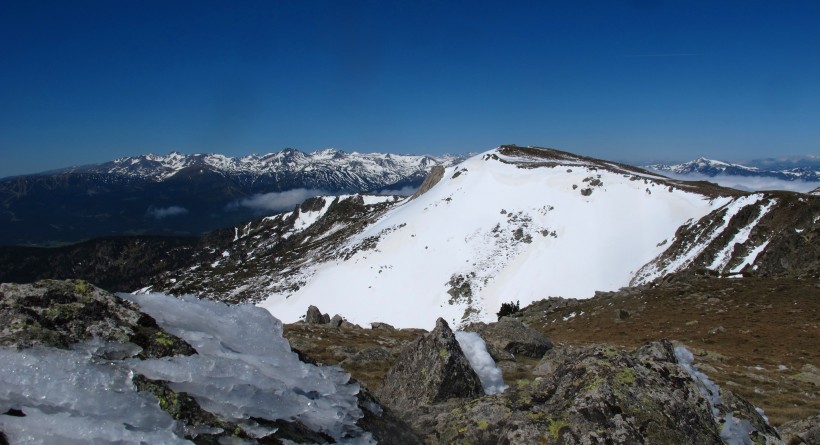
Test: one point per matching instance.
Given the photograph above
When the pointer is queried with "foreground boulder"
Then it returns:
(601, 395)
(61, 313)
(431, 369)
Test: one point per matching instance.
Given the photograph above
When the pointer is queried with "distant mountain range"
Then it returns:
(181, 194)
(807, 171)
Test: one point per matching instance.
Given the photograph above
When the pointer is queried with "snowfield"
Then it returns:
(495, 229)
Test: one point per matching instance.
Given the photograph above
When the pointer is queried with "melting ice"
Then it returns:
(482, 363)
(243, 368)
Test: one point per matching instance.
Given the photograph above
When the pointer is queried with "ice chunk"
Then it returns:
(483, 364)
(244, 368)
(707, 388)
(68, 398)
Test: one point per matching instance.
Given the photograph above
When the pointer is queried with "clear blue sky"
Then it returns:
(84, 81)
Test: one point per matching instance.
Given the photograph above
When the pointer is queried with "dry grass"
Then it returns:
(752, 335)
(330, 346)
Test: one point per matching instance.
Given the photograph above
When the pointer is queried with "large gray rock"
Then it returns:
(336, 321)
(803, 431)
(315, 316)
(431, 369)
(512, 336)
(597, 394)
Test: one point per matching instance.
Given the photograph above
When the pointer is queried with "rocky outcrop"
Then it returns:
(431, 369)
(377, 325)
(77, 315)
(383, 423)
(596, 394)
(512, 336)
(430, 181)
(315, 316)
(62, 313)
(804, 431)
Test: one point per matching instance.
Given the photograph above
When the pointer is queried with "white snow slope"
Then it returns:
(498, 231)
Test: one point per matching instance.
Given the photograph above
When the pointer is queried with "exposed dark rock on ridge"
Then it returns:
(787, 235)
(315, 316)
(430, 181)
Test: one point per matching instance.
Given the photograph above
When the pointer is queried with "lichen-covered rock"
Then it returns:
(803, 431)
(431, 369)
(512, 336)
(385, 426)
(62, 313)
(593, 395)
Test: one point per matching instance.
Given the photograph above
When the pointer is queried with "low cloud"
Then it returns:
(750, 183)
(278, 200)
(160, 213)
(404, 191)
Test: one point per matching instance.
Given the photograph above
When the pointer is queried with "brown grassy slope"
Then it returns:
(758, 337)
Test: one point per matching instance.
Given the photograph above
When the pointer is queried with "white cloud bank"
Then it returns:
(161, 213)
(404, 191)
(280, 200)
(749, 183)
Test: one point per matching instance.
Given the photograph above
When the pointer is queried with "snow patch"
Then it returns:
(725, 255)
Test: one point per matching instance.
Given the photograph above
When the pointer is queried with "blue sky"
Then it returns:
(84, 81)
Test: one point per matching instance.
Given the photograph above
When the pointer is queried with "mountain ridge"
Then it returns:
(552, 239)
(188, 194)
(513, 223)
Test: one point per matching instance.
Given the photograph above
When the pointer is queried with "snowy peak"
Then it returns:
(711, 168)
(513, 223)
(190, 194)
(160, 168)
(705, 166)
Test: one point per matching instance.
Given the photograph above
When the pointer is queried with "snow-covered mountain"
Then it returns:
(710, 167)
(329, 169)
(189, 194)
(510, 224)
(773, 176)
